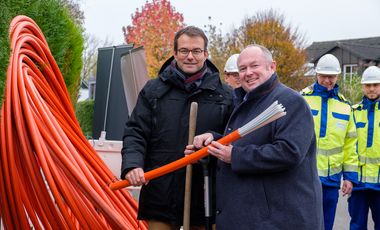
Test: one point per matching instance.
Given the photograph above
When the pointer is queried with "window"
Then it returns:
(349, 71)
(91, 88)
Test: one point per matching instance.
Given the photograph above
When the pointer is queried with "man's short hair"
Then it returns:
(266, 53)
(190, 31)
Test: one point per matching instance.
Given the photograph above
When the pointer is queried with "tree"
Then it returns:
(62, 33)
(217, 46)
(268, 28)
(90, 55)
(154, 28)
(74, 10)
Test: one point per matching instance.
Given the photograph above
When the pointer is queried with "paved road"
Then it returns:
(342, 218)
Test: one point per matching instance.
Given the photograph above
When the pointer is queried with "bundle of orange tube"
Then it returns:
(51, 178)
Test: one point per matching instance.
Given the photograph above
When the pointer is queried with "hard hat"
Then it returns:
(371, 75)
(328, 64)
(231, 64)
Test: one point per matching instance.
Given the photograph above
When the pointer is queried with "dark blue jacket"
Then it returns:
(272, 181)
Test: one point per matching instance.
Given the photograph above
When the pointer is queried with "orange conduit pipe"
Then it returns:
(51, 177)
(190, 159)
(272, 113)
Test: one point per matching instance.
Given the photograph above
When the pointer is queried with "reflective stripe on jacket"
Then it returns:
(367, 119)
(336, 135)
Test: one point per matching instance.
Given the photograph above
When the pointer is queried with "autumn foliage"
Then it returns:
(266, 28)
(154, 27)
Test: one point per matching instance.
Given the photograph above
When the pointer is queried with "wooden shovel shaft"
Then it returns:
(189, 168)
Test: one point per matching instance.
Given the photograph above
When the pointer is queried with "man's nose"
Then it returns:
(190, 55)
(249, 71)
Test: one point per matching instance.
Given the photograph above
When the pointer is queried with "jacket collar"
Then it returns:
(323, 92)
(369, 104)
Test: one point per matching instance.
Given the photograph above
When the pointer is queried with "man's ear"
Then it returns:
(206, 53)
(273, 66)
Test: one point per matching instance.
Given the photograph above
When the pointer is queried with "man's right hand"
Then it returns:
(199, 142)
(136, 177)
(203, 140)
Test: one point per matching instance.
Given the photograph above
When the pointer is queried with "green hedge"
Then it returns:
(84, 113)
(62, 34)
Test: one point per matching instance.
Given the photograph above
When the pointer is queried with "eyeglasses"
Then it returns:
(196, 52)
(326, 76)
(232, 74)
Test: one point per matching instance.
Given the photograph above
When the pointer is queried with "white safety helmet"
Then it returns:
(371, 75)
(231, 64)
(328, 64)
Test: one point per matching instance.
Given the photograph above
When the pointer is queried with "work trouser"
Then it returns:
(157, 225)
(358, 206)
(330, 201)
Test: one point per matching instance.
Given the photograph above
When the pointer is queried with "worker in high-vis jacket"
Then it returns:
(366, 194)
(336, 135)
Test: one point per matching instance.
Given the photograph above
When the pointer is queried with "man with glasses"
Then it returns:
(157, 131)
(231, 72)
(336, 135)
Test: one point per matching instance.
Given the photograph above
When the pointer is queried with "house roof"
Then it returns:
(364, 48)
(368, 52)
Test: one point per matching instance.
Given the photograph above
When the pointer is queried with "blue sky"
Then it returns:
(317, 20)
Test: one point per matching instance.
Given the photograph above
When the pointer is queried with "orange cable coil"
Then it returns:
(51, 176)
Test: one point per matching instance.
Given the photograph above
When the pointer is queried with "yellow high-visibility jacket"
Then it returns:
(367, 120)
(336, 134)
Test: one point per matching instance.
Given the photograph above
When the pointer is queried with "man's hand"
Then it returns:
(202, 140)
(222, 152)
(347, 187)
(199, 142)
(136, 177)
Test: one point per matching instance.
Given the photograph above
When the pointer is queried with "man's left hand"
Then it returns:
(222, 152)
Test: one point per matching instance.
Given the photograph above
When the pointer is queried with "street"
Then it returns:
(342, 218)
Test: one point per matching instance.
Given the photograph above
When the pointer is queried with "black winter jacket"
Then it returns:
(157, 133)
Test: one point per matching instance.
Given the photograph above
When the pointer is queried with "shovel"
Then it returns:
(189, 167)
